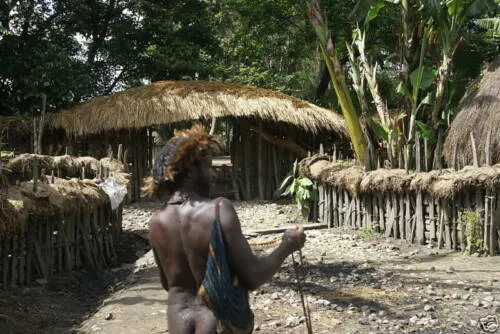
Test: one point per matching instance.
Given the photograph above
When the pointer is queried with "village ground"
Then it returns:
(355, 282)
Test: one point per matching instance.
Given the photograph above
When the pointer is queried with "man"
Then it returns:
(205, 263)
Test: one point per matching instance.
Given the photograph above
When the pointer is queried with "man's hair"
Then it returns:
(183, 151)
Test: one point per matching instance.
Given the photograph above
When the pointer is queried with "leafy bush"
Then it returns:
(302, 189)
(470, 223)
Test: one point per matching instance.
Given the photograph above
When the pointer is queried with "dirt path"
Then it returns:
(353, 285)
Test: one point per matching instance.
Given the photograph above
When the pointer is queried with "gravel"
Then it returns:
(358, 285)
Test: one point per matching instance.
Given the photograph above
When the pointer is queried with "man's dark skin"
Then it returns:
(180, 235)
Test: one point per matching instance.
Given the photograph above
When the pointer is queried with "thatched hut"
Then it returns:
(16, 133)
(269, 130)
(479, 115)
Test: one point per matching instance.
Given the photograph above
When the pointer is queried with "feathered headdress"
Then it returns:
(179, 155)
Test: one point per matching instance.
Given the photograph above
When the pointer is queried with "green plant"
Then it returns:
(469, 221)
(367, 232)
(302, 190)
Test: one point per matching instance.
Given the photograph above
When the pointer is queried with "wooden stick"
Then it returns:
(454, 157)
(495, 214)
(486, 227)
(474, 151)
(487, 149)
(420, 223)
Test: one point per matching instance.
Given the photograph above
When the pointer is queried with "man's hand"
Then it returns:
(294, 238)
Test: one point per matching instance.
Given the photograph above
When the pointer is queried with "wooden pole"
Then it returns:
(454, 162)
(418, 156)
(486, 227)
(487, 149)
(474, 151)
(120, 153)
(494, 225)
(260, 164)
(247, 161)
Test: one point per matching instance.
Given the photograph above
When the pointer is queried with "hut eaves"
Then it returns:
(173, 101)
(479, 114)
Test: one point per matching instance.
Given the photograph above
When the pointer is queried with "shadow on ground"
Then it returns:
(65, 301)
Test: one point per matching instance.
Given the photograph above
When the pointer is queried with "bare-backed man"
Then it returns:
(205, 263)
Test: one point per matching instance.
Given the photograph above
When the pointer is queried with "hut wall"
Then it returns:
(260, 164)
(456, 210)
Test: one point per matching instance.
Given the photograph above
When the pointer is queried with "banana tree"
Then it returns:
(337, 77)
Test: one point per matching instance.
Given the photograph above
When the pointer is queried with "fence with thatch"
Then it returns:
(448, 208)
(52, 224)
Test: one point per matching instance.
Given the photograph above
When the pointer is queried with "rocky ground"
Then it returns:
(354, 282)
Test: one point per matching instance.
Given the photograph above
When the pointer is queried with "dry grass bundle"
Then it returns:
(318, 168)
(175, 101)
(67, 164)
(422, 181)
(305, 165)
(9, 215)
(117, 170)
(25, 162)
(80, 193)
(114, 165)
(90, 163)
(386, 180)
(63, 196)
(345, 178)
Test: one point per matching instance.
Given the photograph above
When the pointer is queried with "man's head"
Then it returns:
(185, 158)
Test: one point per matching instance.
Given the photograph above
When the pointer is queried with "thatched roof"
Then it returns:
(69, 166)
(479, 114)
(21, 124)
(173, 101)
(445, 183)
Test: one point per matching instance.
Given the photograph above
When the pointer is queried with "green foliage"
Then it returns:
(470, 224)
(367, 232)
(302, 190)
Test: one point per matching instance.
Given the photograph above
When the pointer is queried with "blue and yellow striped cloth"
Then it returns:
(220, 289)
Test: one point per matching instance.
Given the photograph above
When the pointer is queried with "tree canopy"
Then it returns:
(72, 50)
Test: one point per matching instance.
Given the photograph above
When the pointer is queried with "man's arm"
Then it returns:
(163, 278)
(253, 271)
(155, 234)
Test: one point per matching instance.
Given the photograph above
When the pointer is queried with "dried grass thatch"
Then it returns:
(173, 101)
(311, 165)
(422, 181)
(89, 162)
(445, 183)
(468, 179)
(346, 178)
(116, 170)
(20, 202)
(25, 162)
(9, 215)
(386, 180)
(15, 125)
(67, 164)
(479, 114)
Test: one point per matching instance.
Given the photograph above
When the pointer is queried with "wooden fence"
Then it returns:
(56, 244)
(457, 210)
(50, 225)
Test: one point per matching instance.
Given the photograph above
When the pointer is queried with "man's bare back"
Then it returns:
(180, 236)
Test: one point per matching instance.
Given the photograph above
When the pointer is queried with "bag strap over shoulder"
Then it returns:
(216, 207)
